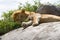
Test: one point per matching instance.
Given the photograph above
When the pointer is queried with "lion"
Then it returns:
(20, 16)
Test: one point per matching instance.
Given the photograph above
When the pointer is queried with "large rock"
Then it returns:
(49, 9)
(44, 31)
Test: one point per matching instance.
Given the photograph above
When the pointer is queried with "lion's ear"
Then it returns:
(23, 11)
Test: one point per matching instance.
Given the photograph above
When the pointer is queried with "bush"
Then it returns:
(29, 7)
(6, 26)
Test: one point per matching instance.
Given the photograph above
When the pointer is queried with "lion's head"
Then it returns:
(20, 15)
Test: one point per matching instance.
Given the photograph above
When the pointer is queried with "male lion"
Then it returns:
(33, 18)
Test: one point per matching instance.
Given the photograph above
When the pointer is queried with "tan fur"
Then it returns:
(36, 18)
(44, 18)
(49, 18)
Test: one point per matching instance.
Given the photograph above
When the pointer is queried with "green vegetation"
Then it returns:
(7, 24)
(30, 7)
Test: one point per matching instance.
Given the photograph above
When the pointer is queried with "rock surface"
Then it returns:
(49, 9)
(44, 31)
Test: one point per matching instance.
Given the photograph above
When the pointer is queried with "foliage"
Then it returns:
(7, 15)
(30, 7)
(6, 26)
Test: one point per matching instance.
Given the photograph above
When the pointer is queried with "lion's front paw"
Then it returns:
(24, 25)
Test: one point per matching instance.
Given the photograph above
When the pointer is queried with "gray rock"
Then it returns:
(49, 9)
(44, 31)
(0, 37)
